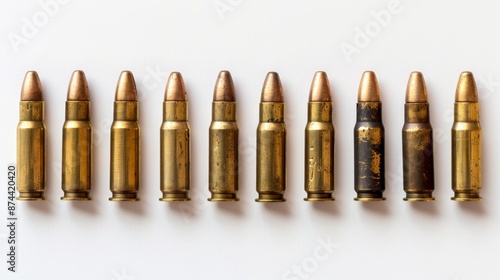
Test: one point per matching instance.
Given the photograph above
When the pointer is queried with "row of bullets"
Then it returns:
(369, 182)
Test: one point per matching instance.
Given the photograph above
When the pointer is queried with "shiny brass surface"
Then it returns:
(223, 142)
(124, 172)
(418, 156)
(466, 142)
(369, 158)
(174, 142)
(31, 141)
(319, 142)
(77, 142)
(271, 142)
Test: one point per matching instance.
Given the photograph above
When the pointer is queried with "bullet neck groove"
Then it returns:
(77, 110)
(417, 112)
(272, 112)
(31, 111)
(175, 111)
(369, 111)
(319, 112)
(125, 111)
(224, 111)
(466, 111)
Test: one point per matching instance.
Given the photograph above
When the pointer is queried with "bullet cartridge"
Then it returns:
(174, 142)
(319, 142)
(223, 142)
(418, 157)
(77, 141)
(31, 140)
(369, 163)
(124, 175)
(466, 142)
(271, 142)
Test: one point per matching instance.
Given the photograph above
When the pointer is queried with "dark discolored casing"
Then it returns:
(418, 156)
(369, 163)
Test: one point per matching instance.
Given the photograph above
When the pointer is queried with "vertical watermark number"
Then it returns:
(11, 219)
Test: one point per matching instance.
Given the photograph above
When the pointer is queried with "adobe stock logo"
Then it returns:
(49, 9)
(309, 265)
(225, 6)
(371, 29)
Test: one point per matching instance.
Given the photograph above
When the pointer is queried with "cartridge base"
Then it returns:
(270, 198)
(419, 197)
(124, 197)
(76, 196)
(459, 196)
(223, 197)
(30, 196)
(371, 196)
(318, 197)
(168, 197)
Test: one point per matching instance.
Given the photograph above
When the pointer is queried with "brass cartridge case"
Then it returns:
(174, 142)
(369, 159)
(31, 151)
(418, 156)
(223, 152)
(223, 142)
(124, 171)
(271, 143)
(175, 152)
(77, 146)
(466, 142)
(319, 142)
(31, 141)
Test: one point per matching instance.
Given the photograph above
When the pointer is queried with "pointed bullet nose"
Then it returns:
(32, 87)
(320, 88)
(125, 89)
(272, 91)
(78, 89)
(416, 91)
(175, 89)
(368, 88)
(224, 87)
(466, 88)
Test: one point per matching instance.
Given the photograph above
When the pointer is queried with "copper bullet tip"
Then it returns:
(175, 89)
(272, 91)
(320, 88)
(224, 87)
(416, 91)
(125, 89)
(78, 89)
(466, 88)
(32, 87)
(368, 88)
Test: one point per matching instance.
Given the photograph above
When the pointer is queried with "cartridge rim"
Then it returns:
(270, 198)
(124, 197)
(170, 197)
(367, 199)
(466, 199)
(419, 197)
(377, 195)
(31, 196)
(319, 197)
(76, 196)
(223, 197)
(463, 197)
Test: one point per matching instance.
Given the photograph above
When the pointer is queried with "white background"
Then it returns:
(246, 240)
